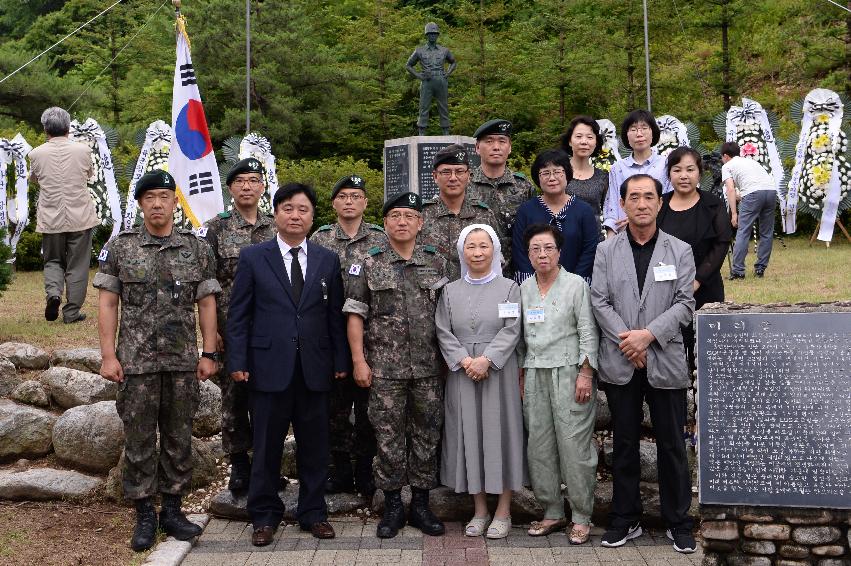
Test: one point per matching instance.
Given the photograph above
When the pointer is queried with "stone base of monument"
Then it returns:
(447, 505)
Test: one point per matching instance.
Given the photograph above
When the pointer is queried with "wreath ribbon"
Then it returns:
(91, 130)
(157, 136)
(14, 152)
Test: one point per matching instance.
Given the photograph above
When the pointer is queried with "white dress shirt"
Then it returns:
(288, 258)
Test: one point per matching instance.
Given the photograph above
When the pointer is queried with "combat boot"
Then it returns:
(240, 473)
(340, 479)
(420, 516)
(173, 522)
(363, 477)
(145, 533)
(394, 515)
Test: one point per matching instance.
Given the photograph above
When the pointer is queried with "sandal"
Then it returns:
(499, 528)
(578, 537)
(538, 529)
(476, 526)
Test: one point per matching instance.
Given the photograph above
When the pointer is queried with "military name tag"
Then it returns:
(509, 310)
(664, 272)
(201, 232)
(103, 254)
(354, 269)
(535, 315)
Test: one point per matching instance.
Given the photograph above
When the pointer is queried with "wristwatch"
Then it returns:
(211, 356)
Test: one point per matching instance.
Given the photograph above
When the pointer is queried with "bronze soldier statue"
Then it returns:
(432, 58)
(156, 274)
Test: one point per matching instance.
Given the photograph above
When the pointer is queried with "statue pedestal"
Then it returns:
(408, 163)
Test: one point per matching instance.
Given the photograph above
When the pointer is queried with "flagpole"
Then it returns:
(247, 67)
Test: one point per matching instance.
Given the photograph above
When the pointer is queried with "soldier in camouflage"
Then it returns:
(496, 184)
(396, 290)
(453, 208)
(227, 234)
(350, 237)
(157, 274)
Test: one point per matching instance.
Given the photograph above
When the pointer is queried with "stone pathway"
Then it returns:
(228, 543)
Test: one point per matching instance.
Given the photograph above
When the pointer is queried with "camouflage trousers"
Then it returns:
(358, 440)
(236, 425)
(407, 415)
(146, 403)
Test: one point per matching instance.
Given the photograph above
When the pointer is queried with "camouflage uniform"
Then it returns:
(158, 281)
(398, 298)
(441, 227)
(504, 196)
(227, 234)
(345, 439)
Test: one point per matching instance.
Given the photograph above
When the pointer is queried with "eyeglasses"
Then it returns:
(644, 128)
(447, 173)
(354, 197)
(249, 182)
(548, 249)
(547, 173)
(409, 216)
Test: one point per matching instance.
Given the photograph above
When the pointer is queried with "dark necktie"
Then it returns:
(296, 276)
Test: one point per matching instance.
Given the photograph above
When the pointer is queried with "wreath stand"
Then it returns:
(841, 227)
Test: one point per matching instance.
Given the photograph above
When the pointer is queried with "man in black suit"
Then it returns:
(286, 336)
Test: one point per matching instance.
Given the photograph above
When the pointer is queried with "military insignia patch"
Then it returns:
(412, 198)
(357, 180)
(503, 126)
(104, 253)
(460, 156)
(355, 269)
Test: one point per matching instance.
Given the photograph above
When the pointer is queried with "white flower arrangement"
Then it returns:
(821, 153)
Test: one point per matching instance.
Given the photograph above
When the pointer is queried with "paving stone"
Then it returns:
(403, 543)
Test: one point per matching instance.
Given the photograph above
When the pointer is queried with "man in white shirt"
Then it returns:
(758, 199)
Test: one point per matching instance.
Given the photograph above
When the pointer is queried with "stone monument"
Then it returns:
(408, 163)
(433, 74)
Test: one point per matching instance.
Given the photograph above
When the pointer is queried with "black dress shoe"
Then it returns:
(80, 318)
(759, 272)
(734, 276)
(51, 310)
(394, 515)
(421, 517)
(263, 536)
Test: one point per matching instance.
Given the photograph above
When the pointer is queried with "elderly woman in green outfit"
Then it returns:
(558, 356)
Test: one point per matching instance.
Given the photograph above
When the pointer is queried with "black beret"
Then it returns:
(156, 179)
(498, 126)
(404, 200)
(247, 165)
(348, 182)
(455, 154)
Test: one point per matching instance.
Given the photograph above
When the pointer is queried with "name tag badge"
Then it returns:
(535, 315)
(509, 310)
(354, 269)
(664, 272)
(104, 253)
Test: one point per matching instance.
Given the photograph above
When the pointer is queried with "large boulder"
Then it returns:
(647, 454)
(113, 488)
(208, 417)
(25, 356)
(9, 378)
(604, 415)
(31, 392)
(90, 437)
(45, 483)
(288, 467)
(451, 506)
(25, 432)
(84, 359)
(72, 387)
(203, 463)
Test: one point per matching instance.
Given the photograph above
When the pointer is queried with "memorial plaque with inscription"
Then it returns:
(408, 163)
(774, 409)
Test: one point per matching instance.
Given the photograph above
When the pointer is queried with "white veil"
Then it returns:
(496, 261)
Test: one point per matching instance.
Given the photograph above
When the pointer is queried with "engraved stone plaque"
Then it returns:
(408, 163)
(774, 408)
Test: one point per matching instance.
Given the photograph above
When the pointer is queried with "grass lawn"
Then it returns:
(797, 272)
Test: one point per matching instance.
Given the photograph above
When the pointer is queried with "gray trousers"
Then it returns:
(757, 205)
(66, 268)
(435, 87)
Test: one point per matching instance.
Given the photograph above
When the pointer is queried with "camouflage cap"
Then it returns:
(156, 179)
(497, 126)
(247, 165)
(348, 182)
(404, 200)
(455, 154)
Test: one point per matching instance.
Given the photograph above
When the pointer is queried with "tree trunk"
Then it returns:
(630, 66)
(726, 63)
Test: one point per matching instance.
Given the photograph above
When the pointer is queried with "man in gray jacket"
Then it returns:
(641, 293)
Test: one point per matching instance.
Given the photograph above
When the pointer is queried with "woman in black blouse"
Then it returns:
(700, 219)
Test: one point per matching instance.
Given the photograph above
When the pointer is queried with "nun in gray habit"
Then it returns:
(478, 327)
